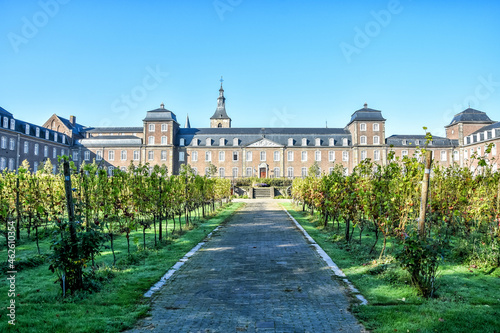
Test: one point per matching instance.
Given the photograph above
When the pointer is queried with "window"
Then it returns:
(249, 172)
(317, 156)
(26, 147)
(151, 140)
(136, 155)
(55, 137)
(290, 156)
(35, 167)
(164, 127)
(417, 142)
(478, 151)
(249, 156)
(5, 124)
(466, 154)
(63, 153)
(194, 156)
(304, 141)
(110, 170)
(303, 156)
(430, 143)
(3, 163)
(222, 142)
(111, 155)
(163, 155)
(164, 141)
(235, 155)
(494, 150)
(75, 156)
(222, 173)
(222, 156)
(86, 155)
(208, 156)
(36, 149)
(195, 171)
(376, 155)
(12, 124)
(276, 156)
(98, 155)
(443, 155)
(123, 155)
(208, 142)
(331, 142)
(290, 141)
(331, 156)
(37, 132)
(403, 142)
(289, 172)
(363, 155)
(304, 172)
(11, 164)
(344, 142)
(151, 155)
(207, 171)
(404, 153)
(12, 144)
(63, 137)
(455, 155)
(151, 127)
(362, 127)
(376, 140)
(27, 129)
(4, 142)
(277, 172)
(262, 155)
(345, 156)
(195, 142)
(235, 172)
(318, 142)
(235, 141)
(47, 133)
(376, 127)
(181, 155)
(362, 140)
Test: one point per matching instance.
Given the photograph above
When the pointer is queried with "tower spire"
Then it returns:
(220, 117)
(187, 124)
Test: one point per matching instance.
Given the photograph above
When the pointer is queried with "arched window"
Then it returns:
(220, 125)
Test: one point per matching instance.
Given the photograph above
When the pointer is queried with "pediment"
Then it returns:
(264, 143)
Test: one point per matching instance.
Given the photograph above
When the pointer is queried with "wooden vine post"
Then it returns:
(425, 190)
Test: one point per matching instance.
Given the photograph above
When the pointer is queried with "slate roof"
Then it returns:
(160, 114)
(115, 129)
(4, 112)
(488, 128)
(76, 129)
(110, 141)
(366, 114)
(247, 136)
(437, 141)
(471, 116)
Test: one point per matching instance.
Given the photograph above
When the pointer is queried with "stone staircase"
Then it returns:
(262, 192)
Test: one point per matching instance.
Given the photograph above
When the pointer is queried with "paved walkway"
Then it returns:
(256, 274)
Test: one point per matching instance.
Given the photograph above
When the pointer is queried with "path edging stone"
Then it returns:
(336, 270)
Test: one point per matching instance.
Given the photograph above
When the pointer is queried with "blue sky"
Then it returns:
(293, 64)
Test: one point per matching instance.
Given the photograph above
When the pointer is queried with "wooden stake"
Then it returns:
(425, 190)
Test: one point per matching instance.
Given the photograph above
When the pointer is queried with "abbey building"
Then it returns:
(238, 151)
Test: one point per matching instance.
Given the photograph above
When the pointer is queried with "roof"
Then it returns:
(111, 140)
(249, 136)
(76, 128)
(115, 129)
(366, 114)
(160, 114)
(220, 112)
(487, 128)
(411, 140)
(471, 116)
(4, 112)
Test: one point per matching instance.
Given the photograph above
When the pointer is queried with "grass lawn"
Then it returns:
(41, 308)
(468, 299)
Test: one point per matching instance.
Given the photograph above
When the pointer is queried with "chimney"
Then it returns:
(72, 120)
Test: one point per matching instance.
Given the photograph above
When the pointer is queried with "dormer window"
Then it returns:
(27, 129)
(430, 143)
(362, 127)
(47, 133)
(37, 132)
(290, 141)
(55, 137)
(331, 142)
(222, 142)
(182, 142)
(304, 141)
(63, 139)
(417, 142)
(344, 141)
(5, 122)
(403, 142)
(208, 142)
(235, 141)
(318, 142)
(195, 142)
(12, 124)
(376, 127)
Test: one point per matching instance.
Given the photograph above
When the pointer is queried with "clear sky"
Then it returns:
(284, 63)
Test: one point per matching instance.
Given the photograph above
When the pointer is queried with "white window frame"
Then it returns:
(249, 172)
(86, 155)
(5, 123)
(36, 149)
(222, 172)
(317, 156)
(136, 155)
(304, 142)
(13, 124)
(151, 155)
(404, 153)
(222, 156)
(12, 144)
(37, 132)
(151, 127)
(303, 156)
(208, 142)
(331, 156)
(222, 142)
(235, 141)
(290, 156)
(376, 140)
(345, 156)
(363, 155)
(164, 141)
(262, 156)
(362, 127)
(276, 155)
(208, 156)
(235, 172)
(237, 155)
(47, 134)
(376, 127)
(331, 142)
(98, 155)
(181, 155)
(376, 155)
(194, 156)
(123, 155)
(111, 155)
(317, 141)
(164, 127)
(345, 143)
(277, 172)
(303, 172)
(290, 141)
(55, 137)
(195, 142)
(27, 129)
(75, 156)
(26, 147)
(444, 156)
(151, 140)
(289, 172)
(249, 156)
(362, 140)
(4, 142)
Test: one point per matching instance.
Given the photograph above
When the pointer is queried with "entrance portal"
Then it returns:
(262, 172)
